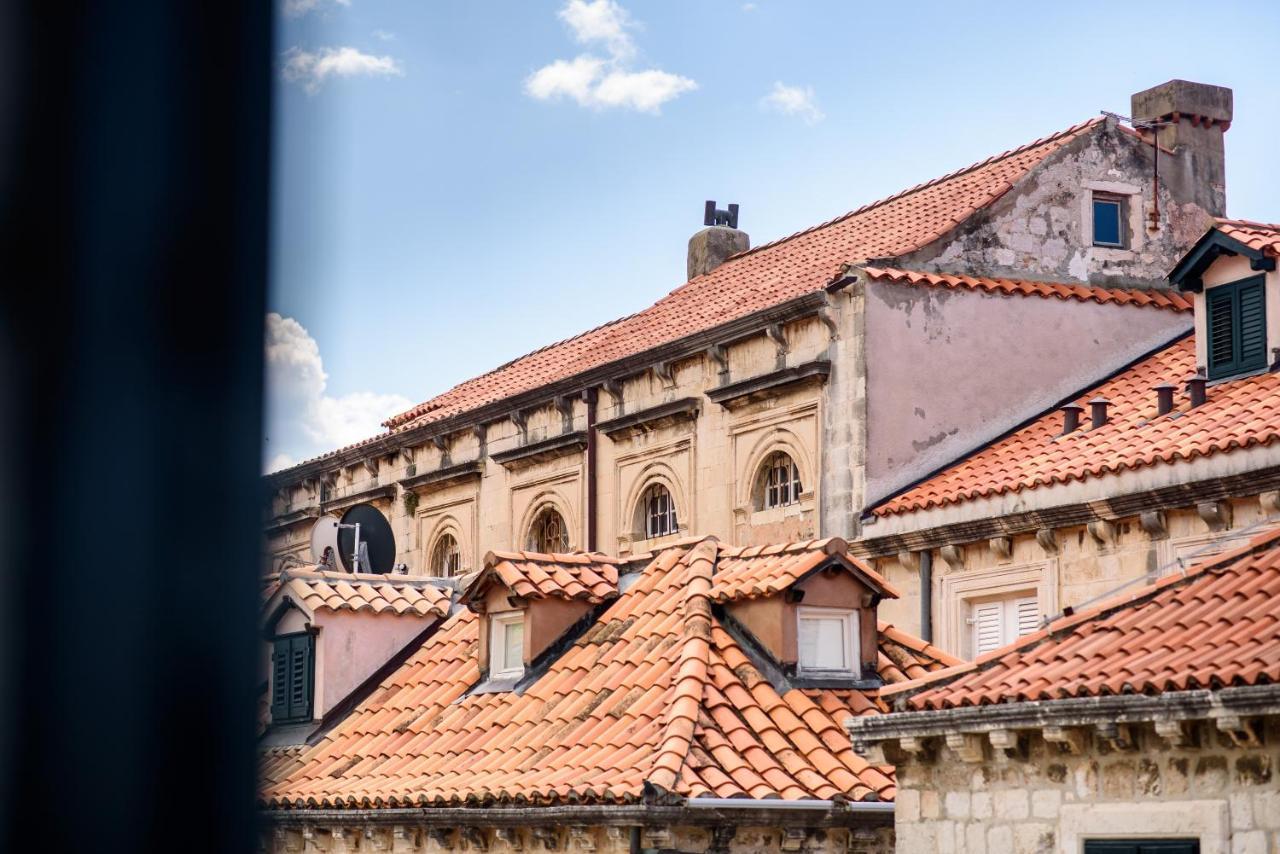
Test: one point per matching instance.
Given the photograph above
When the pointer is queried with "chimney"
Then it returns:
(1195, 390)
(1098, 412)
(721, 238)
(1194, 117)
(1071, 417)
(1164, 398)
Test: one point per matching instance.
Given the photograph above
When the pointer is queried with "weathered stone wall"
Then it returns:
(1043, 227)
(1224, 794)
(1081, 564)
(575, 839)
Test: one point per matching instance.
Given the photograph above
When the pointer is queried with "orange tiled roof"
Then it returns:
(589, 577)
(314, 589)
(1238, 414)
(1050, 290)
(1214, 626)
(765, 276)
(1263, 236)
(656, 693)
(755, 571)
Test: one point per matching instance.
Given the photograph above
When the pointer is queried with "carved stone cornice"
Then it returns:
(544, 449)
(457, 471)
(373, 493)
(651, 418)
(744, 390)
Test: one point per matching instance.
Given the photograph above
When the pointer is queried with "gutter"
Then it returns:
(885, 807)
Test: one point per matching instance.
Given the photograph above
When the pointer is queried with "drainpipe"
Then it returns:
(926, 596)
(590, 396)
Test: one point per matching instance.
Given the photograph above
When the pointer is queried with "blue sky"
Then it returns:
(457, 183)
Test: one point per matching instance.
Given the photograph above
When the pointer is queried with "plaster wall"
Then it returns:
(949, 370)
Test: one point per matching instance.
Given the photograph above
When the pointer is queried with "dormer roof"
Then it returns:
(1257, 241)
(760, 571)
(311, 590)
(580, 576)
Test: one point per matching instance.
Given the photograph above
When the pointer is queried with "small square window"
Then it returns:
(506, 645)
(1108, 221)
(828, 642)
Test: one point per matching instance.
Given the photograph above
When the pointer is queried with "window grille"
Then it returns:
(549, 534)
(446, 558)
(659, 512)
(781, 482)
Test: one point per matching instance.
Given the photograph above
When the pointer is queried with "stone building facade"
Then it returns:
(803, 348)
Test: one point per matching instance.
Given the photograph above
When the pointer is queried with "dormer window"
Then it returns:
(1236, 325)
(1109, 217)
(506, 645)
(827, 641)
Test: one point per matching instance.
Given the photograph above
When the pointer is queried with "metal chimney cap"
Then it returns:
(1074, 406)
(1164, 385)
(1099, 399)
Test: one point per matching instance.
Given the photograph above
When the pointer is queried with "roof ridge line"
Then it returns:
(924, 185)
(681, 718)
(1223, 220)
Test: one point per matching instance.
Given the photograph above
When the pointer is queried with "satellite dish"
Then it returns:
(376, 542)
(324, 537)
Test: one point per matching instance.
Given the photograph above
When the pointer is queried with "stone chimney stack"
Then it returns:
(721, 238)
(1194, 117)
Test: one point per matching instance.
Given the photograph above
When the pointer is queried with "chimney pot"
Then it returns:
(1098, 412)
(1071, 418)
(711, 246)
(1196, 390)
(1164, 398)
(1193, 117)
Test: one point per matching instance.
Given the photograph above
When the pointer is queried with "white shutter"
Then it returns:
(988, 627)
(1028, 615)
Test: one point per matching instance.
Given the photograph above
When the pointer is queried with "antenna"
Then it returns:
(1151, 125)
(365, 541)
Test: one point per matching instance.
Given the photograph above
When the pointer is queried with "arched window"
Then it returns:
(780, 483)
(548, 534)
(659, 512)
(446, 557)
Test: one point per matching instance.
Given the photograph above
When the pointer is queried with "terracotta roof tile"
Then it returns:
(313, 589)
(578, 575)
(1215, 625)
(755, 571)
(1239, 413)
(1263, 236)
(1165, 299)
(657, 692)
(759, 278)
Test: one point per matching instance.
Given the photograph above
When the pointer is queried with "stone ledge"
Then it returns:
(284, 520)
(458, 471)
(371, 494)
(544, 449)
(744, 390)
(686, 407)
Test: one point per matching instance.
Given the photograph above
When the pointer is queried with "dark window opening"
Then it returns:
(1142, 846)
(1236, 325)
(781, 481)
(292, 677)
(659, 512)
(1108, 221)
(549, 534)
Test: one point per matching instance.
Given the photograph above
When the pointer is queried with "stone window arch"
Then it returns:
(548, 533)
(777, 482)
(656, 512)
(446, 556)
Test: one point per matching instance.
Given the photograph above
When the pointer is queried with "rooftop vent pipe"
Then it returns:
(1098, 412)
(1071, 418)
(1195, 390)
(1164, 398)
(720, 239)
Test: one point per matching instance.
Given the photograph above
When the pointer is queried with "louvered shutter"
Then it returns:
(1027, 614)
(1253, 325)
(988, 627)
(280, 680)
(1221, 326)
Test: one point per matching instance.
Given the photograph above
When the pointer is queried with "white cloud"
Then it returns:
(298, 8)
(604, 83)
(384, 35)
(310, 69)
(793, 101)
(748, 7)
(601, 21)
(302, 419)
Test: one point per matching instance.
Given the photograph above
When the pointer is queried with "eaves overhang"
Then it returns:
(1214, 244)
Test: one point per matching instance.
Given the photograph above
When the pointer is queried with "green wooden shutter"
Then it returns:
(280, 679)
(1236, 323)
(292, 678)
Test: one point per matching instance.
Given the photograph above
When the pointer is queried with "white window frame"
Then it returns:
(1010, 630)
(954, 592)
(499, 667)
(853, 650)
